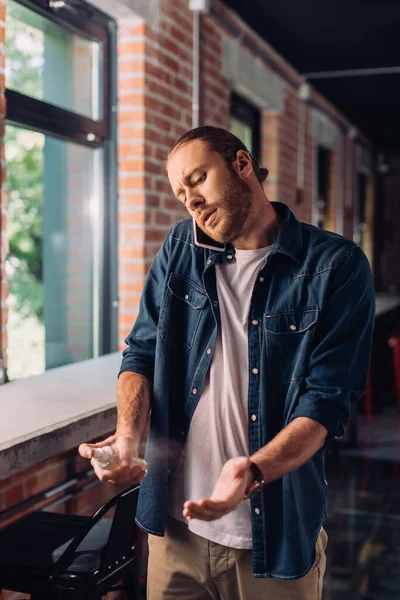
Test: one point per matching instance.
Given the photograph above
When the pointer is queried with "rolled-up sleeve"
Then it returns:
(339, 361)
(139, 356)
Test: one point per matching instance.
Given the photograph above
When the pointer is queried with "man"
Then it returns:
(253, 338)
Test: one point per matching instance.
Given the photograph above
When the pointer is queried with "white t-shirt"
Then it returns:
(219, 427)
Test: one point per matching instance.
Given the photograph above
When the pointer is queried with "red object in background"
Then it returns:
(394, 343)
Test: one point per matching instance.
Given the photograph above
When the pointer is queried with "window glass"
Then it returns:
(326, 204)
(53, 213)
(50, 63)
(244, 132)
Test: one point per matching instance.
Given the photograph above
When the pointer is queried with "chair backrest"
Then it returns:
(120, 544)
(122, 535)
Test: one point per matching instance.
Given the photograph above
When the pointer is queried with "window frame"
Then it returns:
(249, 114)
(37, 115)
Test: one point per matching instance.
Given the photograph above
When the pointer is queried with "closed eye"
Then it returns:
(200, 179)
(181, 196)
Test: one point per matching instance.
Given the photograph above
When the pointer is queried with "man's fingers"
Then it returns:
(139, 478)
(202, 515)
(215, 506)
(120, 474)
(85, 450)
(206, 510)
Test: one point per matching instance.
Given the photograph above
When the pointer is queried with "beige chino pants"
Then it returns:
(185, 566)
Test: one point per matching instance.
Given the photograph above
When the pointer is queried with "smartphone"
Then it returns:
(203, 240)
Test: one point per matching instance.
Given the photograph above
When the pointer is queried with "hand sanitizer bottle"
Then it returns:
(106, 458)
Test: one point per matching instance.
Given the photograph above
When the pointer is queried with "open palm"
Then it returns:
(228, 492)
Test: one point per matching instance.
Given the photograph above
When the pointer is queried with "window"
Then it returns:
(51, 63)
(246, 123)
(60, 152)
(326, 206)
(364, 214)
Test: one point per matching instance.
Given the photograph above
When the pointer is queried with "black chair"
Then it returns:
(55, 556)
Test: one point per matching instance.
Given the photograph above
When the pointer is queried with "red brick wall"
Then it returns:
(215, 89)
(270, 151)
(288, 142)
(154, 109)
(47, 474)
(52, 472)
(155, 86)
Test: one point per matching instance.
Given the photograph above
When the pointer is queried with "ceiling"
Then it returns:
(331, 35)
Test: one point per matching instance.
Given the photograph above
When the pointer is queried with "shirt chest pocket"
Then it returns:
(181, 312)
(288, 337)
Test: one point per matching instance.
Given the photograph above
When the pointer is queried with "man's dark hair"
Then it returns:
(223, 142)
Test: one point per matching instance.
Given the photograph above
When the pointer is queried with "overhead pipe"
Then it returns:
(293, 82)
(368, 72)
(198, 7)
(196, 70)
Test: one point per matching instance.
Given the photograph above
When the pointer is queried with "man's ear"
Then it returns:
(243, 164)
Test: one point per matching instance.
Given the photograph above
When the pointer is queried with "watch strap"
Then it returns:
(256, 483)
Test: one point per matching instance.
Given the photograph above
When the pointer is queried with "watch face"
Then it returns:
(257, 473)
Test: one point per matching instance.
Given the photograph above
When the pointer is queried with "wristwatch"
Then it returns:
(256, 483)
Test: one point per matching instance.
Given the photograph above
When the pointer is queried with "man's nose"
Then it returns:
(193, 200)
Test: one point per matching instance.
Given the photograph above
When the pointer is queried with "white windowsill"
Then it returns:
(386, 302)
(52, 413)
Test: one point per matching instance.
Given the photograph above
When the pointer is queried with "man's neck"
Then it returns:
(261, 231)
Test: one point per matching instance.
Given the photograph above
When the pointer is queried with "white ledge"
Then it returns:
(386, 302)
(52, 413)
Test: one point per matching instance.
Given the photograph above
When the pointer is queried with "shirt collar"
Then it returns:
(288, 241)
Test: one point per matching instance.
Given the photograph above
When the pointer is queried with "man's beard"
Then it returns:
(234, 209)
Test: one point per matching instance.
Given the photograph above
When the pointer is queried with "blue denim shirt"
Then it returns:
(309, 336)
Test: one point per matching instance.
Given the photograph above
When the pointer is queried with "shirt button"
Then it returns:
(209, 262)
(257, 511)
(254, 417)
(215, 303)
(261, 279)
(229, 257)
(194, 391)
(255, 371)
(293, 327)
(186, 297)
(254, 322)
(209, 351)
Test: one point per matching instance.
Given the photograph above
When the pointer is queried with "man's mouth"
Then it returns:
(208, 218)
